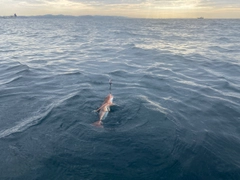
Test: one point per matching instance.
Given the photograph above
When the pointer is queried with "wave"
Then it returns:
(40, 116)
(176, 90)
(24, 124)
(223, 50)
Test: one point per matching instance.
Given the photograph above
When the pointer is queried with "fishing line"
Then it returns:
(110, 85)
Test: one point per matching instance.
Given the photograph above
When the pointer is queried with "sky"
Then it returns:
(128, 8)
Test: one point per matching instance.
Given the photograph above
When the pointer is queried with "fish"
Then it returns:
(104, 109)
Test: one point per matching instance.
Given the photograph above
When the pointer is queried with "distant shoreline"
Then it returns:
(101, 16)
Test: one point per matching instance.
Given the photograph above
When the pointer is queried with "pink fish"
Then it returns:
(104, 109)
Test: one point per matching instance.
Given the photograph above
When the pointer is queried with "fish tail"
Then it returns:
(98, 123)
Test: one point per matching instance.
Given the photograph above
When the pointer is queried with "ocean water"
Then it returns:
(176, 87)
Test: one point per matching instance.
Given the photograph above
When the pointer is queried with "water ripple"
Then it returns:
(175, 85)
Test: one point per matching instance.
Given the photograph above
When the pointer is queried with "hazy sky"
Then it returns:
(130, 8)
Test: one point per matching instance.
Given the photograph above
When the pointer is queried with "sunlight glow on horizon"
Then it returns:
(136, 9)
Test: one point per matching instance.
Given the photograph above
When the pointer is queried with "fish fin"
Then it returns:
(102, 106)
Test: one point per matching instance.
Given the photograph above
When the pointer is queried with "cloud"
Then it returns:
(219, 3)
(159, 3)
(163, 4)
(109, 2)
(133, 8)
(29, 1)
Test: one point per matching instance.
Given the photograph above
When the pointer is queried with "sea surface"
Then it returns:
(176, 88)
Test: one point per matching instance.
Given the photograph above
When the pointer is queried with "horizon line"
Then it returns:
(52, 15)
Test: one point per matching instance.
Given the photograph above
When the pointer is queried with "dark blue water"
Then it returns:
(176, 87)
